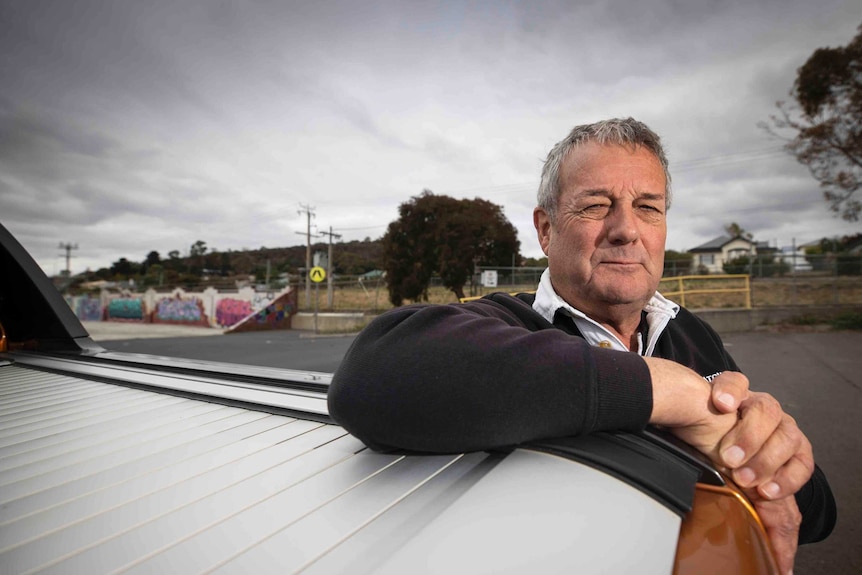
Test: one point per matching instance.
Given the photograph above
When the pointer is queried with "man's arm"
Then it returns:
(491, 374)
(481, 375)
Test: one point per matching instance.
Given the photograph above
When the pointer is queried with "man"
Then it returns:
(597, 348)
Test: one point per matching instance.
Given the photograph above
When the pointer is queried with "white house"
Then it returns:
(713, 254)
(795, 259)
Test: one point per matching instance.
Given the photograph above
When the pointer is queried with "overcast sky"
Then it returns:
(127, 127)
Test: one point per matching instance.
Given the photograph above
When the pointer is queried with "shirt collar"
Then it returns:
(659, 311)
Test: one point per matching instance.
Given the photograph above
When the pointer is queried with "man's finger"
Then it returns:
(759, 417)
(781, 519)
(729, 390)
(784, 443)
(789, 479)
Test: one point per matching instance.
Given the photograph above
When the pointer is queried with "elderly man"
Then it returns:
(596, 348)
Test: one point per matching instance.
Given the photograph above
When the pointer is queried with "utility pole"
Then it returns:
(309, 213)
(329, 265)
(68, 248)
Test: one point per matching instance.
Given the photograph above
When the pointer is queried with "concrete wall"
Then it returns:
(734, 320)
(209, 307)
(331, 322)
(722, 320)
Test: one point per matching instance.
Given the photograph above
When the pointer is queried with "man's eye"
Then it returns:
(596, 208)
(651, 208)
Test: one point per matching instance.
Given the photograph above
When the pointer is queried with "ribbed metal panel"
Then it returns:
(102, 478)
(98, 478)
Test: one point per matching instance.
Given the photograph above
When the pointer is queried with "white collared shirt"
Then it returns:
(659, 310)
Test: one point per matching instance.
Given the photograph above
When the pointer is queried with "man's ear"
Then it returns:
(542, 221)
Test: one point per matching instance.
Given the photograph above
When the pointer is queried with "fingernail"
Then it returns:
(771, 490)
(727, 400)
(744, 476)
(733, 455)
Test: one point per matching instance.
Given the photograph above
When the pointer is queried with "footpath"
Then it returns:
(109, 330)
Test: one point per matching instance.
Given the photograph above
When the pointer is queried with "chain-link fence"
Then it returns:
(818, 280)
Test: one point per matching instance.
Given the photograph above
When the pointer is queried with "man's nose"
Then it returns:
(622, 225)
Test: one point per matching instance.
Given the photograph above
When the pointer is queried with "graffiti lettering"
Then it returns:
(182, 310)
(232, 311)
(88, 309)
(125, 308)
(273, 313)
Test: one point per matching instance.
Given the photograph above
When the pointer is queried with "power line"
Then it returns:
(363, 228)
(705, 162)
(728, 159)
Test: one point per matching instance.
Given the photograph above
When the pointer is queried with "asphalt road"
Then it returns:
(816, 376)
(286, 349)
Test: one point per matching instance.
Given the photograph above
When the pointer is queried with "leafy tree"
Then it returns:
(827, 121)
(152, 259)
(224, 264)
(541, 262)
(123, 268)
(198, 248)
(449, 237)
(153, 275)
(734, 230)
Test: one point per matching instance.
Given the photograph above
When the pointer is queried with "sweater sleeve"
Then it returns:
(817, 505)
(482, 375)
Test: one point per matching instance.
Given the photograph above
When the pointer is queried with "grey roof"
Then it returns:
(715, 244)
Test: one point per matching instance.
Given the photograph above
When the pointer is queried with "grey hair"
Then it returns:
(622, 132)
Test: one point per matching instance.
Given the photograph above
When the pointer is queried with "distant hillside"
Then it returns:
(350, 258)
(215, 268)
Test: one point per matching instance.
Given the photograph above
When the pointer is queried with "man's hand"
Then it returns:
(683, 404)
(771, 457)
(781, 518)
(765, 450)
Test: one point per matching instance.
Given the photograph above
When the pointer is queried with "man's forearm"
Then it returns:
(472, 377)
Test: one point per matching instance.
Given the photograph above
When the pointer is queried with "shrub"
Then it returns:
(848, 321)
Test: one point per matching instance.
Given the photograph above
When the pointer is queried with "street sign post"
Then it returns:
(316, 274)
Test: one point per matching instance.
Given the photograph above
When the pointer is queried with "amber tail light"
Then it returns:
(723, 534)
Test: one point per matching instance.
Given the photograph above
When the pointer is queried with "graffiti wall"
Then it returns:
(182, 311)
(85, 307)
(88, 309)
(274, 316)
(273, 313)
(231, 311)
(126, 309)
(266, 310)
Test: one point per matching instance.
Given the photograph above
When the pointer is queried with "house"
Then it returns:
(712, 255)
(795, 259)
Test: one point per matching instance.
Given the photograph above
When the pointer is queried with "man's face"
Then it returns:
(606, 246)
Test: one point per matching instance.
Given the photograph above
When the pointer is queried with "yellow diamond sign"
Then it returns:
(317, 274)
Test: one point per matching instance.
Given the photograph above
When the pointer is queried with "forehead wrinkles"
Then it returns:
(593, 169)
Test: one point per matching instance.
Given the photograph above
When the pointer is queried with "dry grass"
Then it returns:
(354, 298)
(801, 290)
